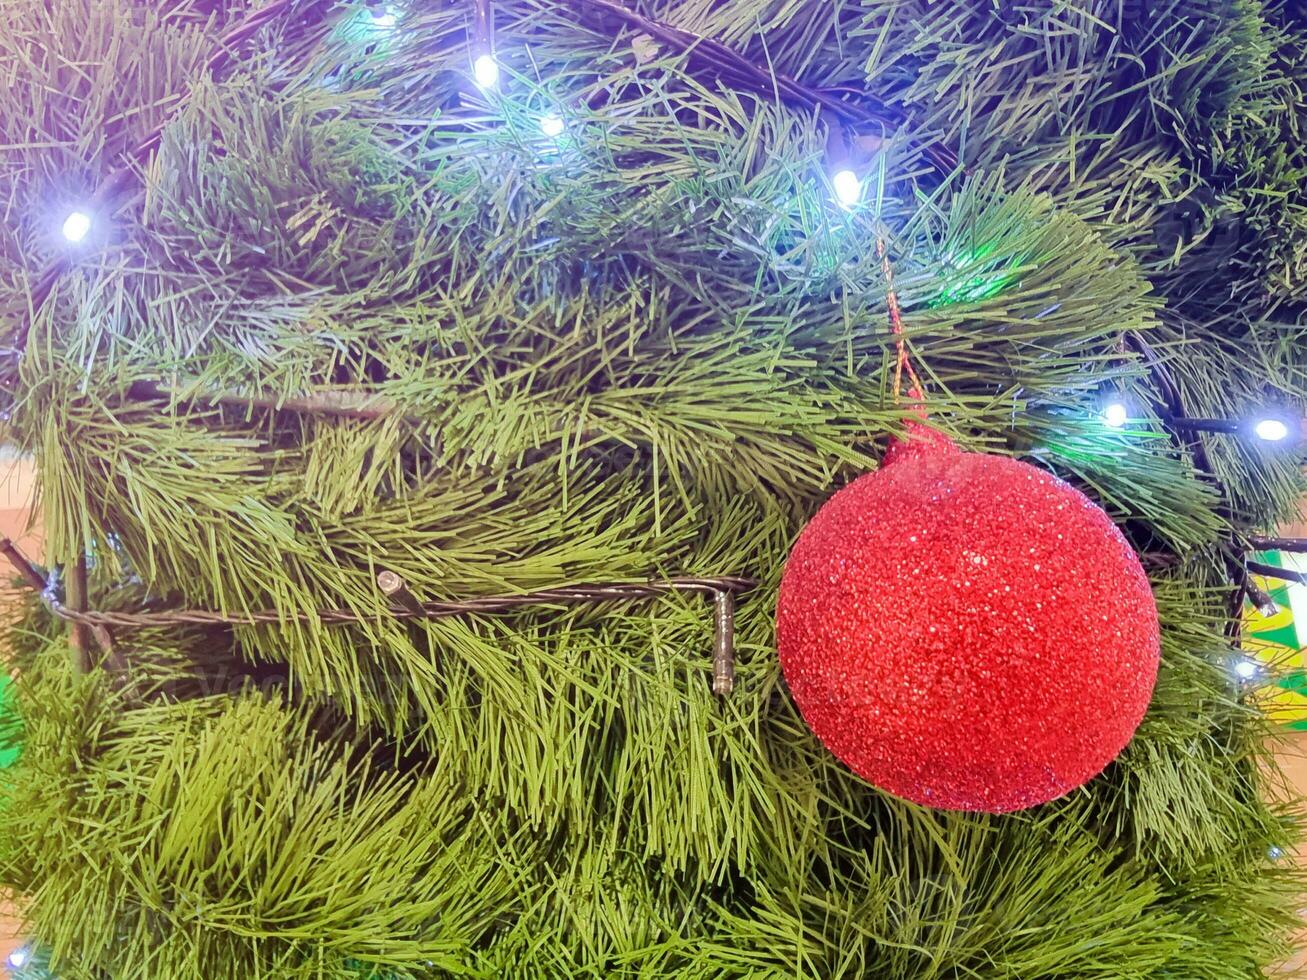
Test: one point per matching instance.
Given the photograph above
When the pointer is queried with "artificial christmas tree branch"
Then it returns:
(394, 588)
(31, 574)
(728, 65)
(724, 647)
(1274, 571)
(80, 635)
(1170, 408)
(1245, 586)
(765, 81)
(224, 52)
(344, 404)
(666, 265)
(1296, 545)
(89, 624)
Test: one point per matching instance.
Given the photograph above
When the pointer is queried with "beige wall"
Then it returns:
(9, 938)
(1293, 757)
(15, 498)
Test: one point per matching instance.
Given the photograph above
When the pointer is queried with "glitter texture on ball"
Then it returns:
(966, 631)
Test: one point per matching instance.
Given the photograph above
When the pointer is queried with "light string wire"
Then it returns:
(398, 602)
(1168, 405)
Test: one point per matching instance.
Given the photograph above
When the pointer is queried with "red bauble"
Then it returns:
(967, 631)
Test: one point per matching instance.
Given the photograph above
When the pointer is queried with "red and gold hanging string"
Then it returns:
(903, 362)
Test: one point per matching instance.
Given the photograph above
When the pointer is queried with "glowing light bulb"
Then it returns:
(1115, 415)
(1274, 853)
(384, 17)
(848, 188)
(1246, 669)
(77, 226)
(486, 71)
(552, 125)
(1271, 430)
(19, 958)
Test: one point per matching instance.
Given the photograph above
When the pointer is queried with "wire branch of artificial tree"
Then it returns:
(739, 72)
(1258, 596)
(32, 574)
(723, 590)
(1171, 410)
(723, 661)
(401, 604)
(1274, 571)
(342, 403)
(41, 582)
(1295, 545)
(435, 609)
(79, 639)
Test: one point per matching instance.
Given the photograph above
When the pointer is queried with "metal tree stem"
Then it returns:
(395, 589)
(1295, 545)
(1258, 596)
(31, 574)
(80, 636)
(723, 661)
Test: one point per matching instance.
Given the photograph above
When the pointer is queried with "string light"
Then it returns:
(384, 17)
(552, 125)
(1115, 414)
(485, 69)
(1266, 427)
(1274, 853)
(77, 226)
(1246, 669)
(848, 188)
(1271, 430)
(19, 958)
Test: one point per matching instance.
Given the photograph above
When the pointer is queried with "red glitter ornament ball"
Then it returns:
(967, 631)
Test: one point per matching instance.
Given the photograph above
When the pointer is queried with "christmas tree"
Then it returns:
(426, 398)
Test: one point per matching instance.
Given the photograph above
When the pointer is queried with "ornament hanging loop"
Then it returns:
(902, 362)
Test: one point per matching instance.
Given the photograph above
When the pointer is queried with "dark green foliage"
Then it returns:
(649, 348)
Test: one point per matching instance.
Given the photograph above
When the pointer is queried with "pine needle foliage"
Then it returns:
(650, 346)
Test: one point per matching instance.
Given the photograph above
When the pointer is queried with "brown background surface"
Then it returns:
(15, 496)
(1293, 756)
